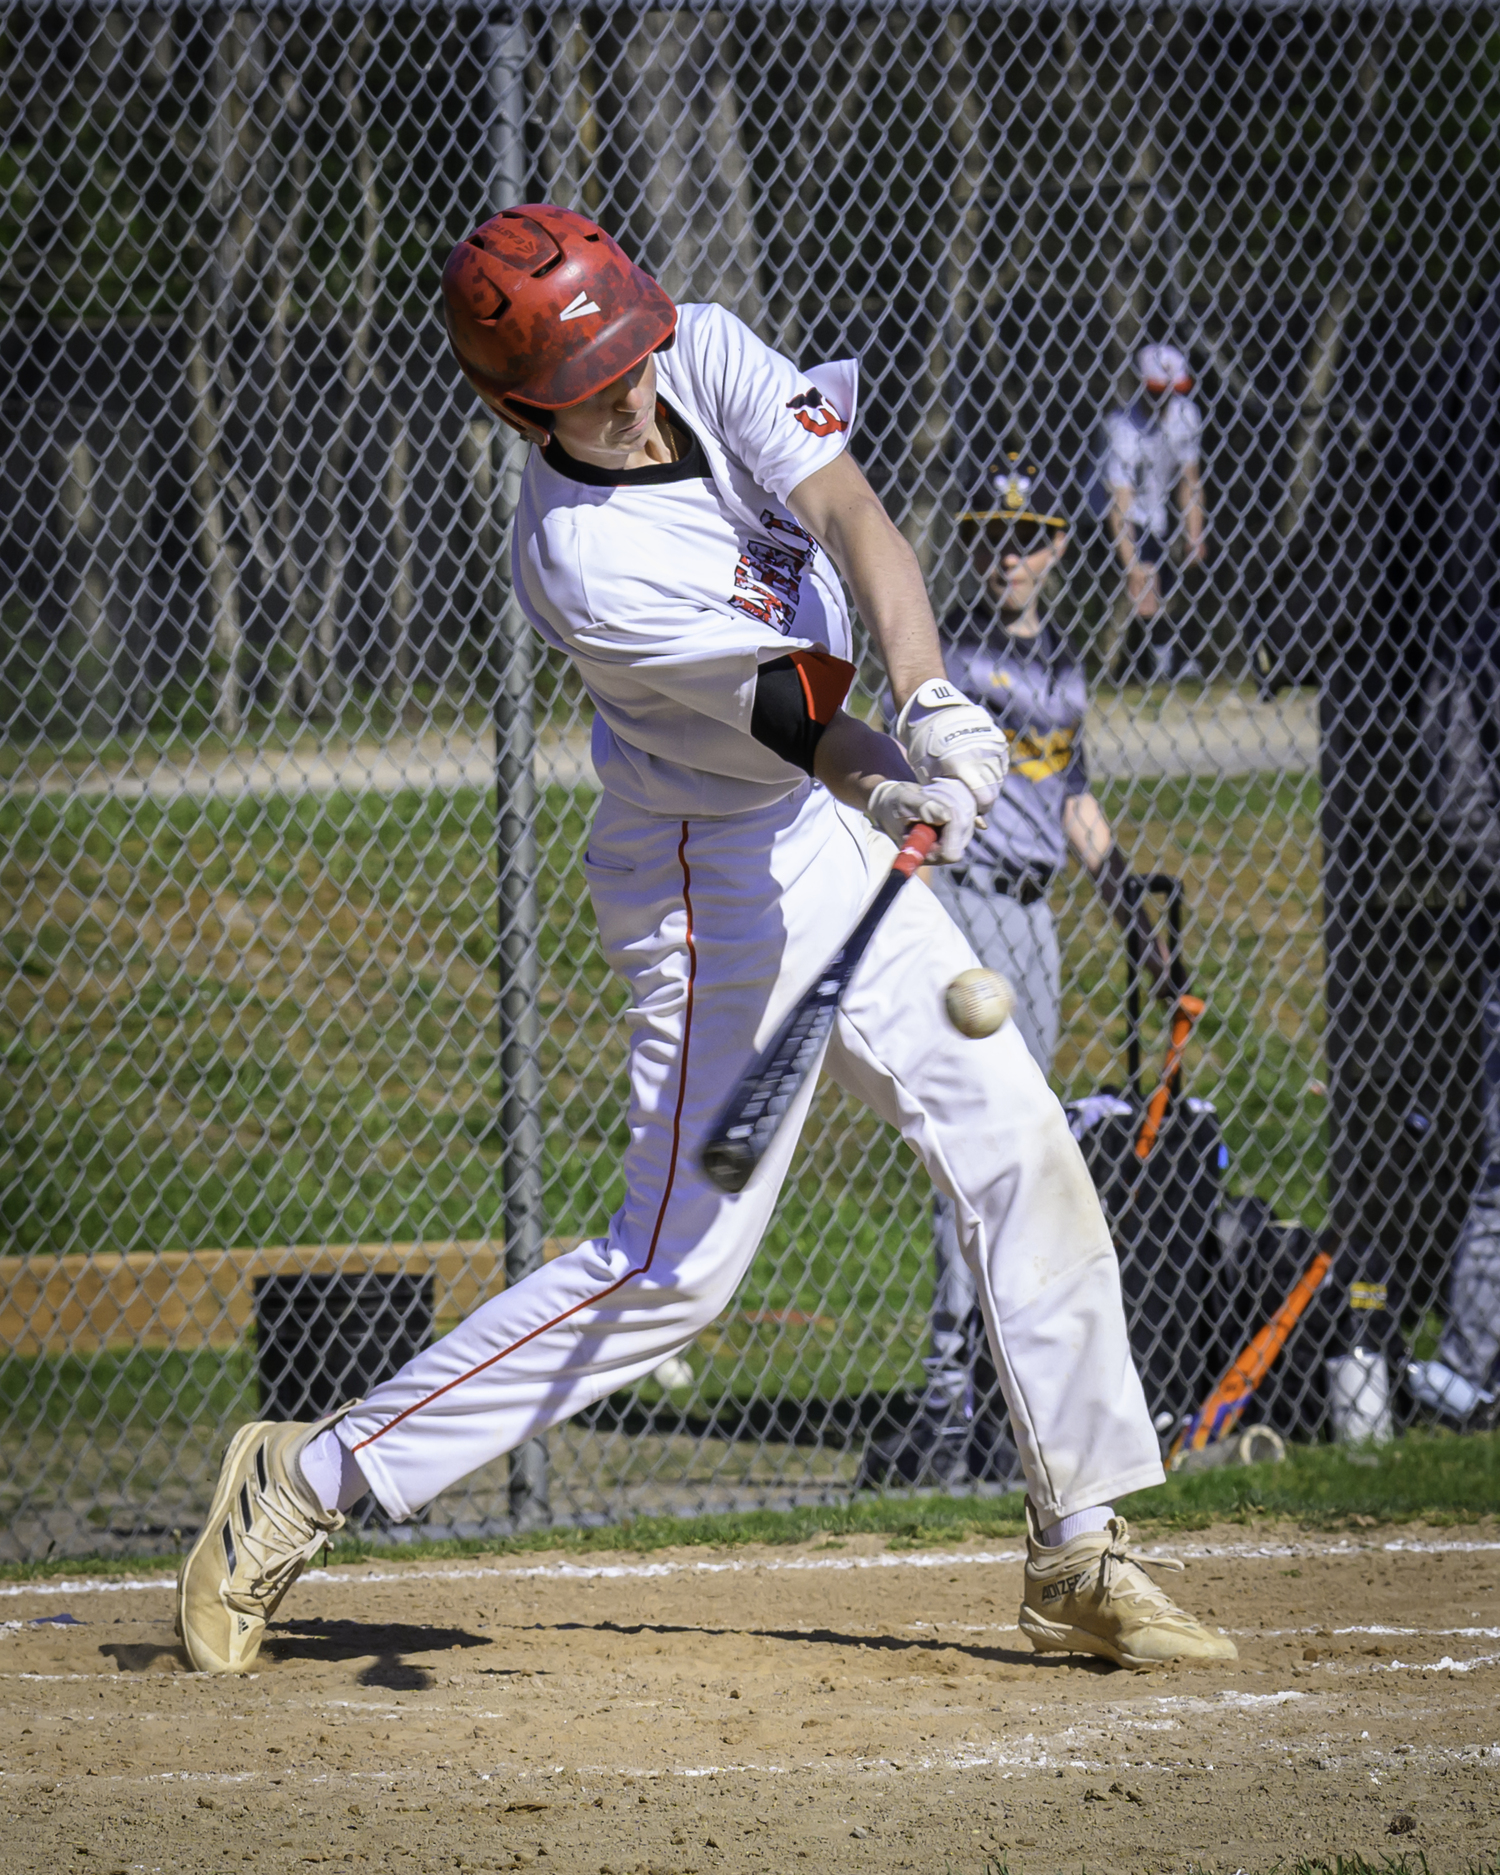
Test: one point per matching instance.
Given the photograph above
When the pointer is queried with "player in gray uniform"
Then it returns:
(1003, 652)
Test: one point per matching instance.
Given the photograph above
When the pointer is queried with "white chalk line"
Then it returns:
(1460, 1634)
(1248, 1702)
(964, 1627)
(1446, 1665)
(662, 1571)
(1027, 1754)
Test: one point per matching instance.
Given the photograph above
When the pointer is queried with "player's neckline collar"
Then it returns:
(690, 466)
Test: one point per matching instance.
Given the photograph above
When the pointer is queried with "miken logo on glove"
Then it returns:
(946, 735)
(935, 694)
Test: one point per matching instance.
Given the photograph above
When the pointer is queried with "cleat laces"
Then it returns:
(275, 1546)
(1123, 1572)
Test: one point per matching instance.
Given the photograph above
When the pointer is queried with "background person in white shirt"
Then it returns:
(1153, 471)
(686, 513)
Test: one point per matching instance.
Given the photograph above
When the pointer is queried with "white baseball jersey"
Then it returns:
(669, 594)
(1148, 455)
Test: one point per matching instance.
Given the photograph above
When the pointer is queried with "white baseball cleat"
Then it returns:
(1092, 1596)
(262, 1530)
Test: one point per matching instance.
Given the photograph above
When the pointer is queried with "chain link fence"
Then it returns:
(301, 983)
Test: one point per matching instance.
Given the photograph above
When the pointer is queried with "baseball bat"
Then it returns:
(1184, 1015)
(1220, 1412)
(748, 1120)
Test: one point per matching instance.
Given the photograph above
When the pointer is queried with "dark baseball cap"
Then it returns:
(1012, 496)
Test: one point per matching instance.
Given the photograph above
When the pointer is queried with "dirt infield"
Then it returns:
(840, 1705)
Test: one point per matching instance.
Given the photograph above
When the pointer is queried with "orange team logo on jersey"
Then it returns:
(816, 414)
(768, 575)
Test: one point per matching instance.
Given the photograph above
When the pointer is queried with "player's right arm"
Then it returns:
(1121, 463)
(1190, 494)
(1118, 521)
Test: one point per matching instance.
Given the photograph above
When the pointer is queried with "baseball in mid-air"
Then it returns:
(978, 1001)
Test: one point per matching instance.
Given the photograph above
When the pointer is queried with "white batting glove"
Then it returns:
(945, 735)
(897, 806)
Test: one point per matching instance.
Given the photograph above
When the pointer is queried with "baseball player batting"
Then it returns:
(686, 513)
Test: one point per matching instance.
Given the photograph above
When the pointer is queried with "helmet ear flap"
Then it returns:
(534, 423)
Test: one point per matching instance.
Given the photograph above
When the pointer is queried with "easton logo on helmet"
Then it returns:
(576, 308)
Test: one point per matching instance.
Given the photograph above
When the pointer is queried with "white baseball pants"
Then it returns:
(718, 926)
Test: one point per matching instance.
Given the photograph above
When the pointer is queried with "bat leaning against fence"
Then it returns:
(748, 1120)
(1220, 1413)
(1185, 1013)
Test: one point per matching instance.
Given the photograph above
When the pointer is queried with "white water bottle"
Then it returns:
(1359, 1398)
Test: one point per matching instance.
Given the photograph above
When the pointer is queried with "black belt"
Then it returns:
(1026, 888)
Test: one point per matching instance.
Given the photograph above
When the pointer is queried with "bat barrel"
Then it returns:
(748, 1120)
(729, 1162)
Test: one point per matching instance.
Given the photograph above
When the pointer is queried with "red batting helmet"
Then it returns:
(1164, 368)
(544, 309)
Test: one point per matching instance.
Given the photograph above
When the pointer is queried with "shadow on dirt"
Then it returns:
(915, 1647)
(385, 1644)
(142, 1656)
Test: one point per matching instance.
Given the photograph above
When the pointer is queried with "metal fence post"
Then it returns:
(515, 777)
(520, 969)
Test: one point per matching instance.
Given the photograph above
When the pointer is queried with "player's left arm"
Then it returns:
(852, 760)
(798, 715)
(847, 518)
(1190, 495)
(867, 769)
(1092, 842)
(945, 736)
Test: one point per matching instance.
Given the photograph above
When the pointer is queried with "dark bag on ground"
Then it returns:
(1257, 1262)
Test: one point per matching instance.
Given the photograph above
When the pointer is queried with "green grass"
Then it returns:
(273, 1021)
(49, 725)
(1428, 1476)
(162, 1389)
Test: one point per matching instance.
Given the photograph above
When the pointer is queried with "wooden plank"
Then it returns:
(81, 1304)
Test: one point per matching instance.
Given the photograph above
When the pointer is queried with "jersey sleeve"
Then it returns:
(641, 634)
(1189, 435)
(781, 423)
(669, 675)
(1119, 452)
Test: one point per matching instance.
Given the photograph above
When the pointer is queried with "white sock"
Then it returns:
(1079, 1524)
(332, 1473)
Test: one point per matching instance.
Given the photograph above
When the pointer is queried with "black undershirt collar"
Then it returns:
(690, 466)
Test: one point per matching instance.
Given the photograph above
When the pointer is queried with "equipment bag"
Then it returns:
(1355, 1309)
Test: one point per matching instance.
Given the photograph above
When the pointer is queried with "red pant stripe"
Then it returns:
(594, 1301)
